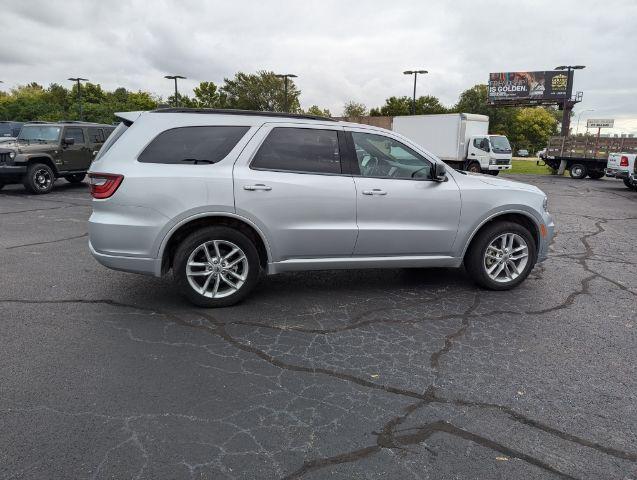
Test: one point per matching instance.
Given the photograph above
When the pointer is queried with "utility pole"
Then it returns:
(567, 105)
(79, 93)
(285, 77)
(415, 74)
(175, 77)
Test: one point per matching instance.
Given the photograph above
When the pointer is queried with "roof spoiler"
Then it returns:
(127, 117)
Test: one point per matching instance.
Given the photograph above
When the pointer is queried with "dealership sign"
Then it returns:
(530, 86)
(600, 123)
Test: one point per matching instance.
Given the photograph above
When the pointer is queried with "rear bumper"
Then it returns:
(616, 173)
(545, 242)
(145, 266)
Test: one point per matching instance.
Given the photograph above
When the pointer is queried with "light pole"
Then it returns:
(415, 74)
(580, 116)
(285, 77)
(567, 106)
(175, 77)
(79, 93)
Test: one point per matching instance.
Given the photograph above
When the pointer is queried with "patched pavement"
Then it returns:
(338, 374)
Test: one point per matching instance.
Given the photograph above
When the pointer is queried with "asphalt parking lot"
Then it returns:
(366, 374)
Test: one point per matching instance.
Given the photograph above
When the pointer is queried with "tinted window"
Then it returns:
(192, 144)
(380, 156)
(299, 150)
(96, 135)
(76, 133)
(6, 130)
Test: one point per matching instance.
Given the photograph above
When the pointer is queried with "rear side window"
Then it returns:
(96, 135)
(191, 145)
(75, 133)
(302, 150)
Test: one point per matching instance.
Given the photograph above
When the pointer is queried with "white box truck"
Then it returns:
(461, 140)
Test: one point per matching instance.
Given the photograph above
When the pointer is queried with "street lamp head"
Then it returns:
(174, 77)
(422, 71)
(285, 75)
(570, 67)
(408, 72)
(78, 79)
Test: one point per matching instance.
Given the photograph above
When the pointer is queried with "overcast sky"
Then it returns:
(341, 50)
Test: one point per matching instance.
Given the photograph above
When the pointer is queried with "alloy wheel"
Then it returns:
(42, 179)
(506, 257)
(217, 269)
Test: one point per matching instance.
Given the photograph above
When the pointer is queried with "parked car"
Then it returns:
(523, 153)
(620, 165)
(44, 151)
(632, 178)
(219, 196)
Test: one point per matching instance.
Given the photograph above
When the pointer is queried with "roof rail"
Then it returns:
(222, 111)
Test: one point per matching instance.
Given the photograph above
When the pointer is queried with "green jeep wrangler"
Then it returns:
(45, 151)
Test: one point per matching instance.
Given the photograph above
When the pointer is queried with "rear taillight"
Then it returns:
(623, 162)
(103, 185)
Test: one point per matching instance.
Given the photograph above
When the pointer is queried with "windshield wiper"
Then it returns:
(197, 161)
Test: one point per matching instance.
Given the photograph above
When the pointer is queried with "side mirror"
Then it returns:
(439, 172)
(68, 141)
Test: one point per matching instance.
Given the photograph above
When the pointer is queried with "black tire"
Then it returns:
(629, 184)
(578, 171)
(192, 244)
(75, 178)
(474, 167)
(596, 175)
(494, 172)
(1, 185)
(39, 178)
(474, 259)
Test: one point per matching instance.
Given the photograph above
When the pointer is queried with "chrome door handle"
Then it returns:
(258, 186)
(375, 191)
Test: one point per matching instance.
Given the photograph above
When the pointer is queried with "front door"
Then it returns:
(76, 156)
(295, 190)
(400, 209)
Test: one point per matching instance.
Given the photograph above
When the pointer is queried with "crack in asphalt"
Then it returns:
(47, 242)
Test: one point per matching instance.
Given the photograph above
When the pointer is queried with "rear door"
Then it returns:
(290, 182)
(400, 209)
(75, 156)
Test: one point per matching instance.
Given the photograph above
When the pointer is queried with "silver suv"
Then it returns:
(220, 196)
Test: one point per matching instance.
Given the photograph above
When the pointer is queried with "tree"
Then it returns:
(262, 91)
(395, 106)
(354, 109)
(316, 110)
(183, 101)
(532, 127)
(207, 95)
(474, 100)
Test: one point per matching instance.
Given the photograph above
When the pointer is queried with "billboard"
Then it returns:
(600, 123)
(520, 87)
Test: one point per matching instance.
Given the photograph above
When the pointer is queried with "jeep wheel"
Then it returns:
(578, 171)
(501, 256)
(216, 267)
(75, 178)
(474, 167)
(39, 178)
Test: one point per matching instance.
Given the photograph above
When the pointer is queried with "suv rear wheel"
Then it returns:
(501, 256)
(216, 267)
(75, 178)
(39, 178)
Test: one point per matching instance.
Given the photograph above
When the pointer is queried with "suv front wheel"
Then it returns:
(501, 256)
(39, 178)
(216, 267)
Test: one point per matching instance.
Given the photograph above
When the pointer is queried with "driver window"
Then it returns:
(481, 143)
(384, 157)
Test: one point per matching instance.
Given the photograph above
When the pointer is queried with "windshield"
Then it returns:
(6, 130)
(42, 133)
(500, 144)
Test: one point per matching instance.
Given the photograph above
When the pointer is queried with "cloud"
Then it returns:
(340, 50)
